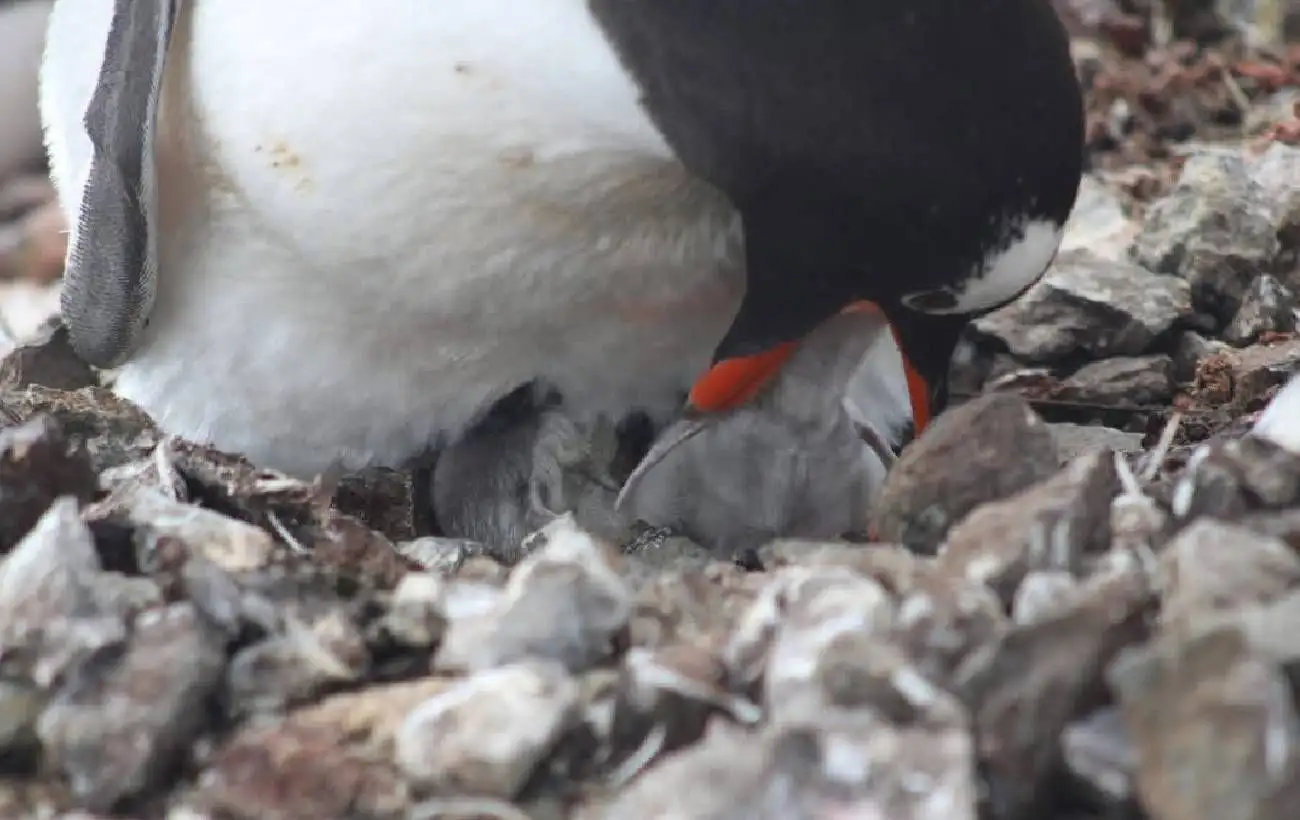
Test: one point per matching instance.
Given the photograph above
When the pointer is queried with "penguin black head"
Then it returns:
(920, 157)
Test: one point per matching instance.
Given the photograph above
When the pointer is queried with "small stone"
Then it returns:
(1277, 172)
(1215, 229)
(37, 465)
(46, 359)
(1030, 684)
(332, 759)
(415, 618)
(356, 551)
(566, 602)
(1074, 440)
(241, 490)
(941, 619)
(987, 449)
(1099, 753)
(1098, 222)
(1051, 526)
(725, 774)
(1257, 369)
(691, 606)
(296, 666)
(649, 557)
(1122, 380)
(231, 544)
(113, 431)
(845, 764)
(798, 612)
(1212, 566)
(830, 652)
(665, 698)
(1225, 479)
(1190, 349)
(1088, 304)
(489, 733)
(1245, 379)
(1268, 306)
(1215, 727)
(125, 720)
(52, 612)
(1042, 595)
(21, 704)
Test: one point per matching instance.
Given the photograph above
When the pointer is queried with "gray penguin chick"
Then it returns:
(792, 463)
(505, 481)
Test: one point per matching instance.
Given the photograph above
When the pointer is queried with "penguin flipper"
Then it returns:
(111, 275)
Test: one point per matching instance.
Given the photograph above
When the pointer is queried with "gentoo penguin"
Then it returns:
(803, 459)
(337, 233)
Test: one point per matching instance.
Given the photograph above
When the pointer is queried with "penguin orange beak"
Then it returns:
(732, 382)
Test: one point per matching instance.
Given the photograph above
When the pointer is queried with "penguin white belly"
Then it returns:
(379, 216)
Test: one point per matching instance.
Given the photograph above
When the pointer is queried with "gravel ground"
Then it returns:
(1092, 619)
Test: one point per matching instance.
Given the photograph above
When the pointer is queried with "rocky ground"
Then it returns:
(1094, 617)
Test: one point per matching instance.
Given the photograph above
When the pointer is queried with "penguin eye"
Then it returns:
(939, 300)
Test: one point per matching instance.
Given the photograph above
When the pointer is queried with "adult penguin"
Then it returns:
(338, 233)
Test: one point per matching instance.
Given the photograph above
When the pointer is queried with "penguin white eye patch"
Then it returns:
(1007, 271)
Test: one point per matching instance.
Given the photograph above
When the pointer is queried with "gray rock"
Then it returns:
(1225, 479)
(46, 359)
(1267, 307)
(1088, 304)
(1277, 172)
(299, 664)
(1074, 440)
(414, 618)
(1212, 566)
(664, 699)
(1098, 222)
(1215, 727)
(21, 703)
(124, 720)
(984, 450)
(1050, 526)
(231, 544)
(1100, 754)
(848, 763)
(113, 431)
(53, 612)
(1043, 594)
(331, 759)
(1031, 683)
(487, 734)
(1122, 380)
(37, 465)
(1216, 229)
(1190, 349)
(567, 602)
(830, 614)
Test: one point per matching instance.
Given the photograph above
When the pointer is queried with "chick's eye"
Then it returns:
(939, 300)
